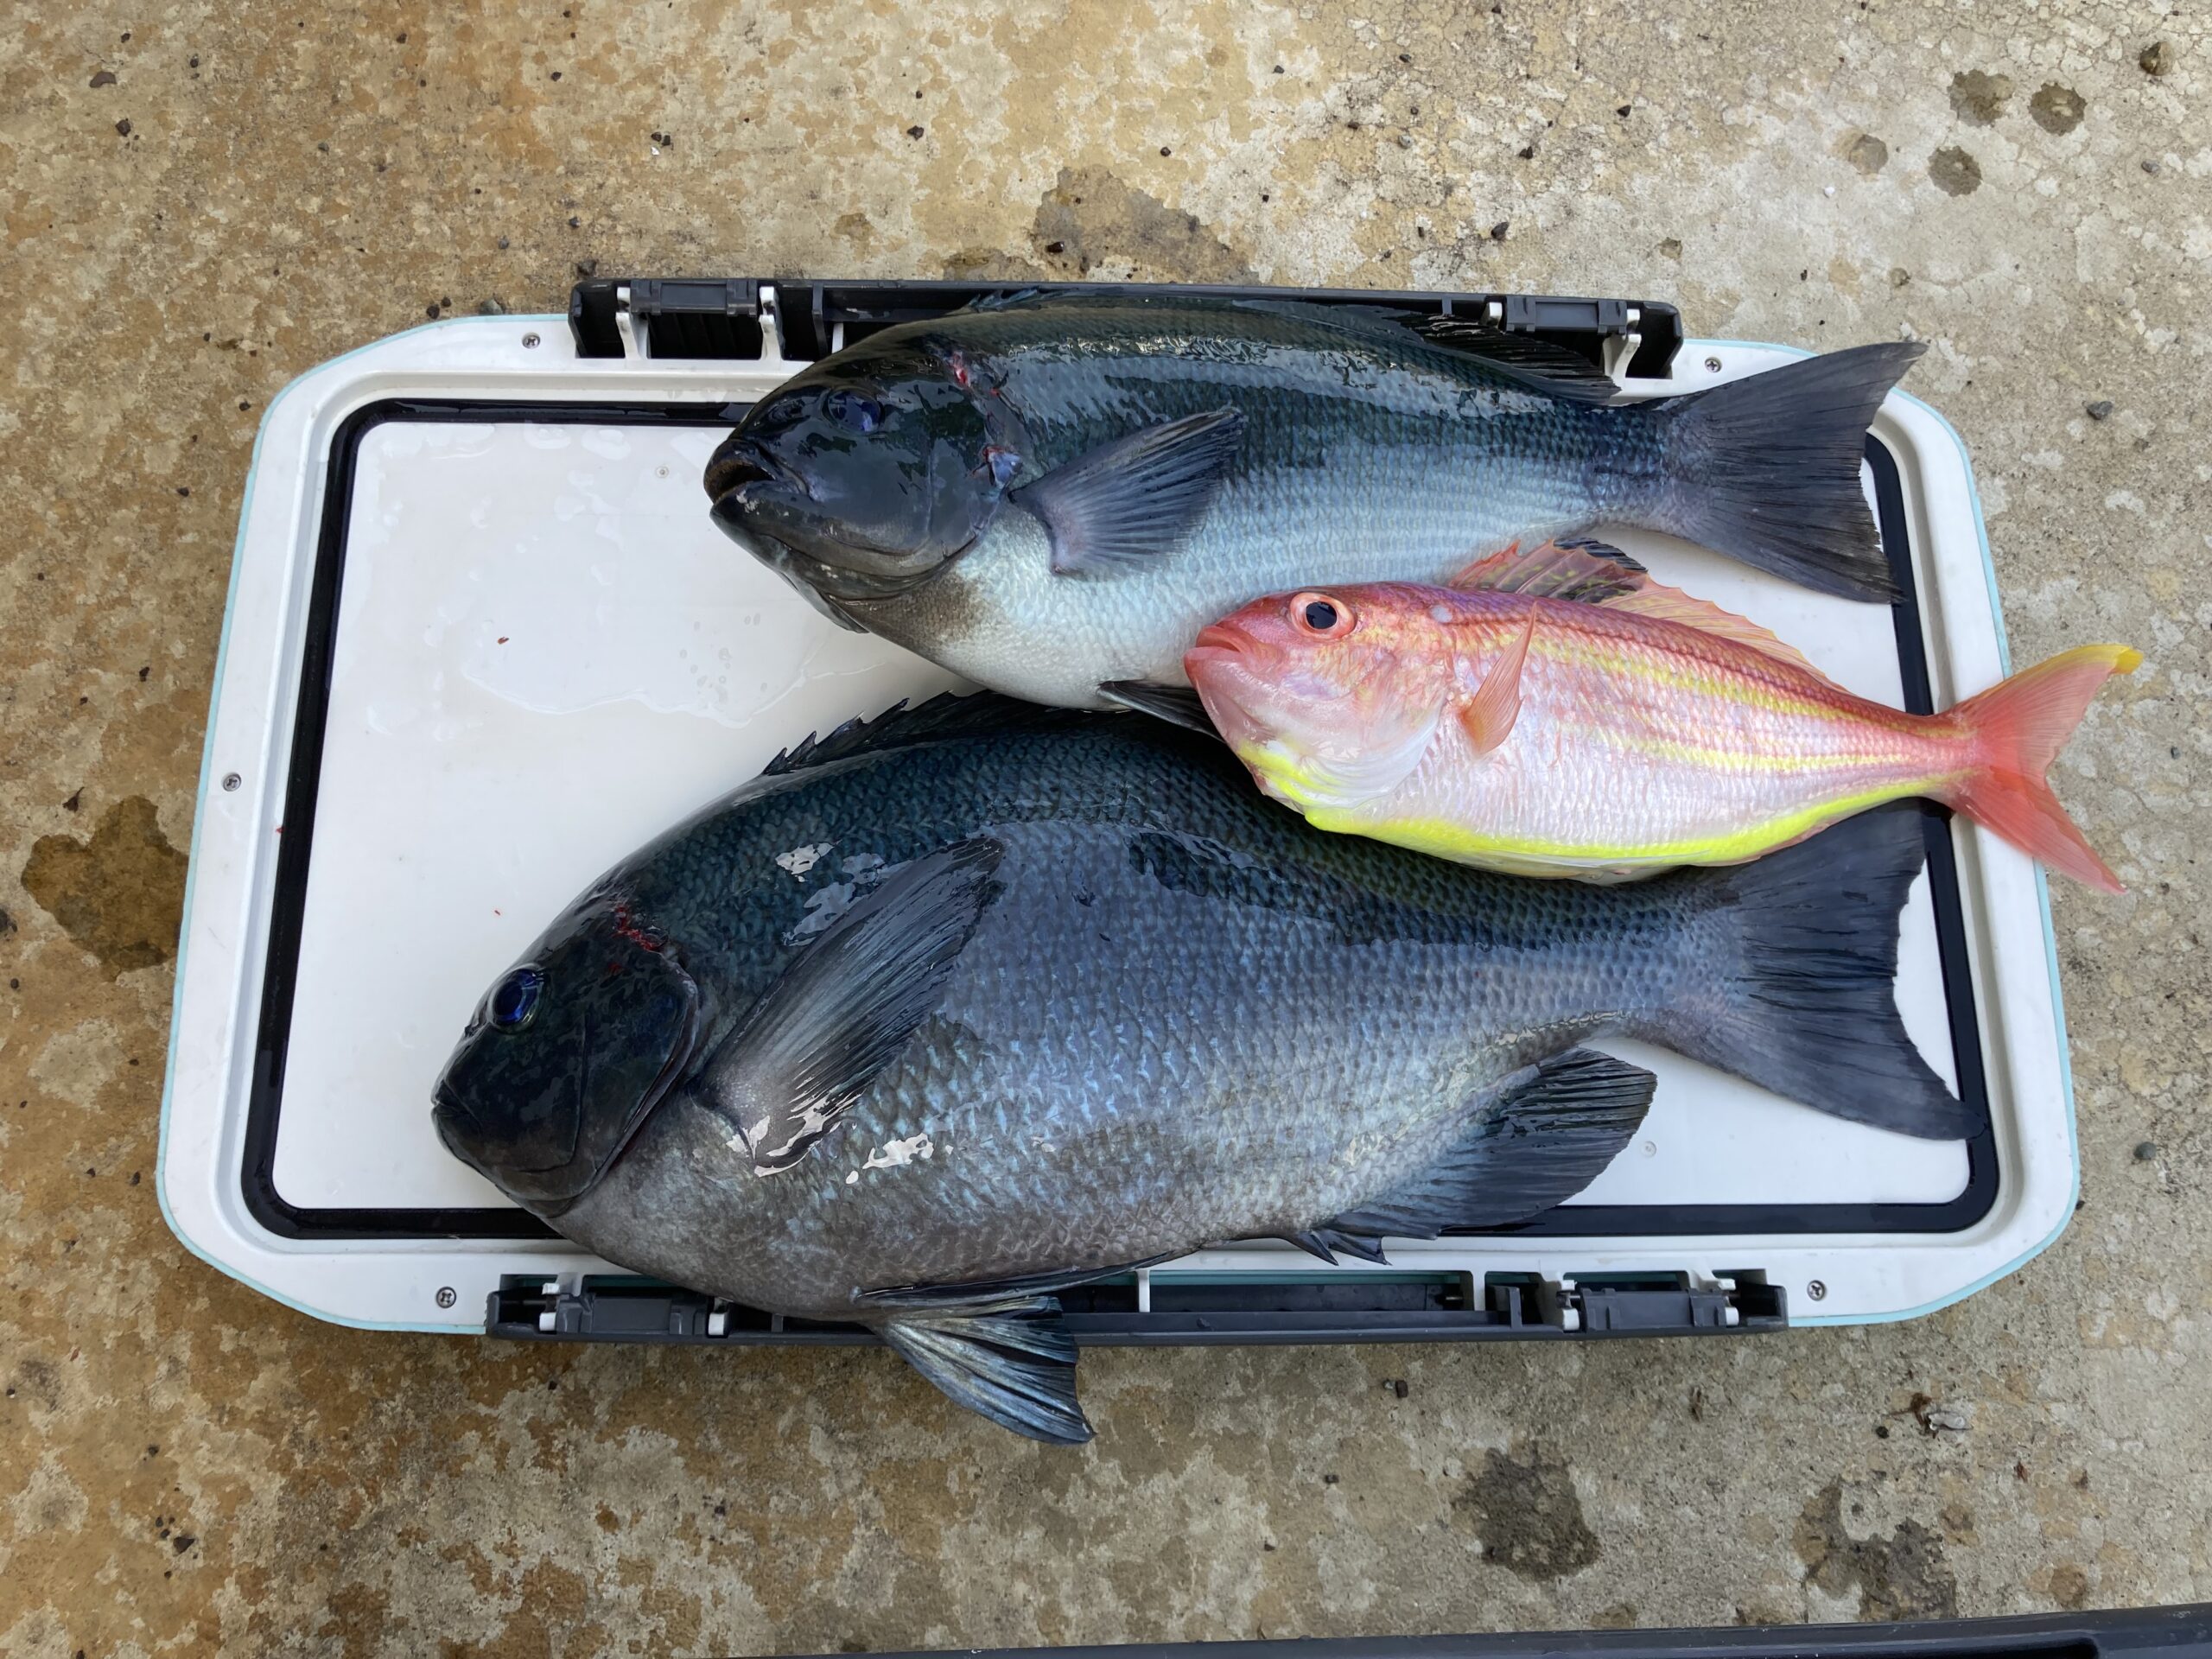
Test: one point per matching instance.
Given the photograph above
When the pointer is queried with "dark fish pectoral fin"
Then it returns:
(848, 1004)
(1013, 1362)
(1550, 1137)
(1176, 704)
(1136, 498)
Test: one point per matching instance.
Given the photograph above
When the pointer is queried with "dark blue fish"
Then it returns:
(982, 999)
(1052, 494)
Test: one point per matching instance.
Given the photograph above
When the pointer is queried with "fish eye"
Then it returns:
(1322, 617)
(855, 411)
(514, 999)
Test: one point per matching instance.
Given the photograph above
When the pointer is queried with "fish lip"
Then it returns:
(1216, 644)
(739, 462)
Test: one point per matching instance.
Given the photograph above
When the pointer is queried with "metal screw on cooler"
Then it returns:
(232, 780)
(1713, 365)
(447, 1298)
(1816, 1290)
(528, 341)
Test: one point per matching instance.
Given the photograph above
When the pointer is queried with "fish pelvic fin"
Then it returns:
(1010, 1360)
(1765, 469)
(2016, 730)
(1788, 976)
(1548, 1133)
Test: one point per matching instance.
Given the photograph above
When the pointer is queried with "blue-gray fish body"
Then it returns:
(986, 997)
(1056, 493)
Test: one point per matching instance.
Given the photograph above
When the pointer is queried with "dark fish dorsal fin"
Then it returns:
(1535, 363)
(1548, 367)
(950, 714)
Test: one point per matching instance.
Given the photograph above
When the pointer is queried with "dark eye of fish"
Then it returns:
(1316, 615)
(515, 999)
(855, 411)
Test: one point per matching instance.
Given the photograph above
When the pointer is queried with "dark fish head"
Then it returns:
(863, 476)
(568, 1054)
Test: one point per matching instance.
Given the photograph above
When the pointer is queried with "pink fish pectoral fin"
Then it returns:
(1489, 714)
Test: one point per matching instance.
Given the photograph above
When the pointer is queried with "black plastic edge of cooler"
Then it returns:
(1195, 1310)
(2177, 1632)
(281, 1217)
(720, 317)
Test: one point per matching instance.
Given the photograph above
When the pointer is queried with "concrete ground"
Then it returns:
(202, 202)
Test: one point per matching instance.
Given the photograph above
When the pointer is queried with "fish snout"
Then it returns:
(1218, 643)
(730, 468)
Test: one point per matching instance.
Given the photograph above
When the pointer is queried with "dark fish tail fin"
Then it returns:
(1765, 469)
(1790, 979)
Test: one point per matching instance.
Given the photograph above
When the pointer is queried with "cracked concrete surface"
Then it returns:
(200, 202)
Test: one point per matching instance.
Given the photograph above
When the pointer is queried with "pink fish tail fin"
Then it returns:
(2015, 730)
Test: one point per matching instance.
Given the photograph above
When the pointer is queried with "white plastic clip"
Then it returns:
(633, 340)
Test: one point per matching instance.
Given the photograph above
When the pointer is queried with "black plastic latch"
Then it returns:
(1671, 1304)
(711, 318)
(1538, 314)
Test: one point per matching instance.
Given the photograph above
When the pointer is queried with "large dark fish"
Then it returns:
(1050, 495)
(982, 999)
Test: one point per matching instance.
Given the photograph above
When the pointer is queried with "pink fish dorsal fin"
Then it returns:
(1590, 573)
(1665, 604)
(1489, 714)
(1585, 572)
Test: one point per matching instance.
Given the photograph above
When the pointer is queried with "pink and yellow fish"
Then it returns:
(1557, 712)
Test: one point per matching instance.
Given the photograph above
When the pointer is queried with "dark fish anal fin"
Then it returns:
(1136, 498)
(1553, 1131)
(847, 1004)
(1010, 1360)
(1179, 705)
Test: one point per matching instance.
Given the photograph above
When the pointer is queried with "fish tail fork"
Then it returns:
(2014, 731)
(1790, 978)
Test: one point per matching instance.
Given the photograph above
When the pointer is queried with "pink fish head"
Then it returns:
(1330, 696)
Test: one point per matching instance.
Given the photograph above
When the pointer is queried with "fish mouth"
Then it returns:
(1215, 643)
(739, 462)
